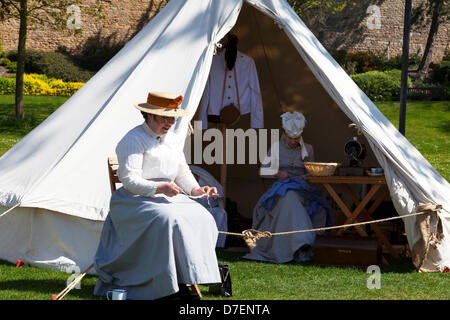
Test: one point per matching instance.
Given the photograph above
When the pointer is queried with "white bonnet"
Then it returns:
(293, 123)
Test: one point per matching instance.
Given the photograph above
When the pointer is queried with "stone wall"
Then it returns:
(356, 28)
(376, 26)
(122, 19)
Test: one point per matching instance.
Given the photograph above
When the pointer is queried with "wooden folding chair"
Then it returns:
(113, 165)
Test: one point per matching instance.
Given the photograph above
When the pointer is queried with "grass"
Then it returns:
(37, 109)
(259, 280)
(256, 281)
(427, 127)
(28, 283)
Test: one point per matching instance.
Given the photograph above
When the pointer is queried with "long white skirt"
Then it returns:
(150, 245)
(288, 214)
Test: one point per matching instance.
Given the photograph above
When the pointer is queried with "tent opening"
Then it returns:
(285, 80)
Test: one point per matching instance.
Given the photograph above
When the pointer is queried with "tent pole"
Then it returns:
(223, 167)
(405, 56)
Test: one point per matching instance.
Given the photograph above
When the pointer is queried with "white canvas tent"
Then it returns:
(57, 174)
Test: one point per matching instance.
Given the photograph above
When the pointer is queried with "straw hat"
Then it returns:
(163, 104)
(293, 123)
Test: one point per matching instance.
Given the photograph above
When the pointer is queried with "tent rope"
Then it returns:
(251, 235)
(10, 209)
(72, 285)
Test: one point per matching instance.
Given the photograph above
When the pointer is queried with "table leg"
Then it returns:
(348, 213)
(360, 205)
(368, 215)
(343, 207)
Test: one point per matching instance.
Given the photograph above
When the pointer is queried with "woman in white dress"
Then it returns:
(290, 204)
(156, 239)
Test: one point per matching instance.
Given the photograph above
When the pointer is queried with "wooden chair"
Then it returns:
(113, 165)
(262, 180)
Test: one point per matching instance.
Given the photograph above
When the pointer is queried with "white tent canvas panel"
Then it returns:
(58, 172)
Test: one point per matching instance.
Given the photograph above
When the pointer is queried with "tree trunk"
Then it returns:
(435, 21)
(21, 59)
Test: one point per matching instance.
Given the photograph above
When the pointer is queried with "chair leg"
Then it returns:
(195, 289)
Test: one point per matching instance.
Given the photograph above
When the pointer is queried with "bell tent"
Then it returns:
(54, 183)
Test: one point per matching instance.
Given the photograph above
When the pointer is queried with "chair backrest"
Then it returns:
(113, 164)
(261, 180)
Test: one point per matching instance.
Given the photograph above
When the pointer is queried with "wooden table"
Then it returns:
(360, 213)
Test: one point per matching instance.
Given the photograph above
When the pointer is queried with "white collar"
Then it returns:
(152, 133)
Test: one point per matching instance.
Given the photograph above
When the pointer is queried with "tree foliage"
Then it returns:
(423, 13)
(331, 6)
(49, 13)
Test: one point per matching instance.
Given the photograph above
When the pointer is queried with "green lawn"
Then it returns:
(256, 281)
(37, 109)
(427, 127)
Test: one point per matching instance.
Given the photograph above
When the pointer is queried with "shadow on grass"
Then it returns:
(44, 287)
(40, 284)
(404, 265)
(443, 126)
(229, 256)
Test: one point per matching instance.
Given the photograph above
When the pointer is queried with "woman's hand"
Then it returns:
(207, 191)
(168, 188)
(283, 175)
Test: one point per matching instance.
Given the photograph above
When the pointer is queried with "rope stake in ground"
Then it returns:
(251, 235)
(72, 285)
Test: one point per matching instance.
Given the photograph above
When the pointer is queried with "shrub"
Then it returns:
(11, 65)
(5, 61)
(7, 85)
(396, 62)
(54, 65)
(441, 72)
(40, 85)
(361, 61)
(2, 52)
(380, 85)
(357, 61)
(364, 61)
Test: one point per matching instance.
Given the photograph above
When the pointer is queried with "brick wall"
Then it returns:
(352, 29)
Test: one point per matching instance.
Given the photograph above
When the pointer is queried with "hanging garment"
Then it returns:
(246, 77)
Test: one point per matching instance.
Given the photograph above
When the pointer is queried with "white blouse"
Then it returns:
(250, 100)
(144, 157)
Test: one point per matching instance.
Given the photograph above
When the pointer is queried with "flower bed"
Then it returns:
(40, 85)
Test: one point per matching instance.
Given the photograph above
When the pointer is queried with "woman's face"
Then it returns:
(160, 124)
(292, 142)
